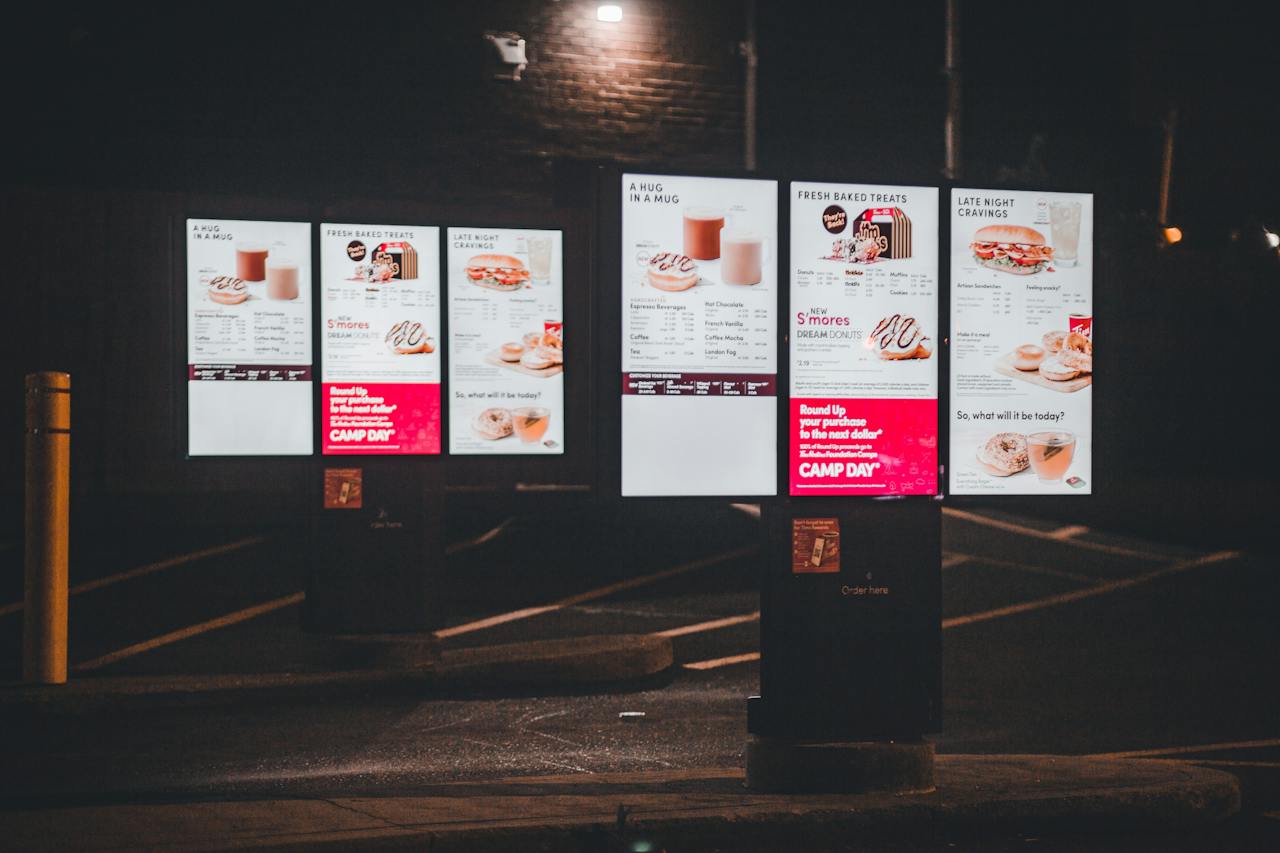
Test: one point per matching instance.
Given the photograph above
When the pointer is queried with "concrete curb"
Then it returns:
(561, 664)
(976, 796)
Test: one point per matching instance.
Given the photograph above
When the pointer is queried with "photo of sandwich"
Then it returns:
(1014, 249)
(497, 272)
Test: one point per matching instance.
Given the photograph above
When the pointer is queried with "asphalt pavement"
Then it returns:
(1058, 638)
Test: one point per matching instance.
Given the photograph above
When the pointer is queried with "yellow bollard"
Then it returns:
(44, 634)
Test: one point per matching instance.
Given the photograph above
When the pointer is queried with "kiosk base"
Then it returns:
(778, 765)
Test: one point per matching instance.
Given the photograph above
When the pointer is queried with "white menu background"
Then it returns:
(249, 364)
(995, 312)
(481, 320)
(361, 355)
(709, 352)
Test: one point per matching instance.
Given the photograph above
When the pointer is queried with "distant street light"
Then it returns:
(1273, 239)
(1172, 234)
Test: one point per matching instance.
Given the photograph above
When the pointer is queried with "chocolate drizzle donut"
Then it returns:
(898, 336)
(408, 337)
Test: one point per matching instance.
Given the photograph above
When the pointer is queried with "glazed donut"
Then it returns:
(1053, 341)
(532, 339)
(511, 351)
(493, 424)
(1053, 368)
(1004, 453)
(1028, 357)
(228, 290)
(1078, 342)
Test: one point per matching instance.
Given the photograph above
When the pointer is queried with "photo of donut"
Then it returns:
(672, 272)
(409, 338)
(493, 424)
(228, 290)
(899, 337)
(1004, 454)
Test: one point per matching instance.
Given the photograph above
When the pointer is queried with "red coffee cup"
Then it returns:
(1081, 324)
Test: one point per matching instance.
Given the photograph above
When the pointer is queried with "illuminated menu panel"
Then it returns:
(506, 341)
(864, 339)
(1022, 343)
(699, 336)
(380, 336)
(248, 338)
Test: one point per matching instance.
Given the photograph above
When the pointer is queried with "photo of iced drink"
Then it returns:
(540, 259)
(741, 257)
(702, 227)
(251, 261)
(1064, 218)
(282, 279)
(530, 423)
(1051, 454)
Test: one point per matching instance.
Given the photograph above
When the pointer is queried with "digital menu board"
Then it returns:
(863, 414)
(380, 339)
(248, 338)
(699, 336)
(506, 341)
(1021, 342)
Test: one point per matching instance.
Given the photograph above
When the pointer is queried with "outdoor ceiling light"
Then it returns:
(610, 13)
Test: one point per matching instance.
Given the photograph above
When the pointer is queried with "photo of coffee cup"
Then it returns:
(251, 261)
(702, 227)
(282, 279)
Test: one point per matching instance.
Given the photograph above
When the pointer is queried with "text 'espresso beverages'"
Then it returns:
(1050, 454)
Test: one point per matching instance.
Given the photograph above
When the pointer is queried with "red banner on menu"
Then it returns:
(841, 447)
(370, 419)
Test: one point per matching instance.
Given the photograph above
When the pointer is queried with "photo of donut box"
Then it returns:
(1066, 386)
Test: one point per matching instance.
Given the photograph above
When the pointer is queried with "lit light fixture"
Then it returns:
(1172, 234)
(1273, 239)
(610, 13)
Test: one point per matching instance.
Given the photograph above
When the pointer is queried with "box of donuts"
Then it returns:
(887, 226)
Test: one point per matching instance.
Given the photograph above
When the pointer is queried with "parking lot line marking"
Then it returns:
(949, 560)
(1089, 592)
(709, 626)
(149, 568)
(1189, 750)
(487, 536)
(1025, 567)
(1041, 534)
(593, 594)
(719, 662)
(1068, 531)
(191, 631)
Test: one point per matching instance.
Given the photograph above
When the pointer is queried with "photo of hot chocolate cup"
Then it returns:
(702, 226)
(282, 279)
(742, 256)
(251, 261)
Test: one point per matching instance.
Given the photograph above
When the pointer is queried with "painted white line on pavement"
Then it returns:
(1100, 589)
(752, 510)
(719, 662)
(1024, 567)
(191, 631)
(148, 569)
(1068, 531)
(487, 536)
(953, 559)
(709, 626)
(974, 517)
(1189, 750)
(593, 594)
(1052, 601)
